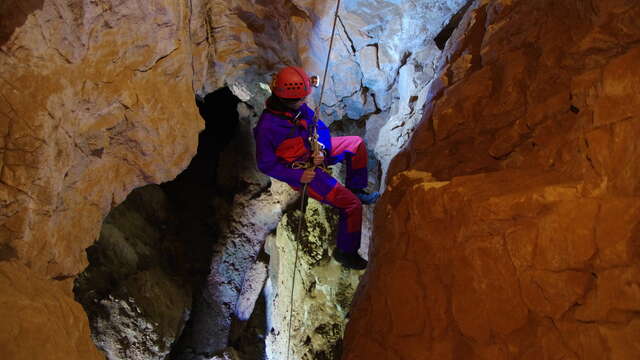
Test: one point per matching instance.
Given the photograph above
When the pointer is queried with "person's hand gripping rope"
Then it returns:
(310, 173)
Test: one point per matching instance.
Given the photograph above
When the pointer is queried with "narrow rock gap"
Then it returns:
(445, 34)
(196, 188)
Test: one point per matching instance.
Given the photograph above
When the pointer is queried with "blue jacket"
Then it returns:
(282, 138)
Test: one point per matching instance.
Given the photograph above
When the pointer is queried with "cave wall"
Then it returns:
(248, 42)
(382, 63)
(137, 287)
(510, 225)
(95, 101)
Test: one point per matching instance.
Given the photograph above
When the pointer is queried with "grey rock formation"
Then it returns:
(322, 292)
(135, 303)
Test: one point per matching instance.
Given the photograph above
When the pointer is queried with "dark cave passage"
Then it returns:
(152, 259)
(192, 193)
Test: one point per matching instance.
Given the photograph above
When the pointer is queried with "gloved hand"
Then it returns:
(307, 176)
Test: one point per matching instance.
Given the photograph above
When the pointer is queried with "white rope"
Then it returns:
(304, 189)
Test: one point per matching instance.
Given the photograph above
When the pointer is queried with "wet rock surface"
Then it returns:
(509, 226)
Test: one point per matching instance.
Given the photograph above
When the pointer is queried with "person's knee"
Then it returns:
(354, 206)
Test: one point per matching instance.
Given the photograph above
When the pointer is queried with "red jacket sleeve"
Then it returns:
(269, 163)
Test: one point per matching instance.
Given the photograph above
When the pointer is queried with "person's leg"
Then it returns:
(354, 151)
(326, 189)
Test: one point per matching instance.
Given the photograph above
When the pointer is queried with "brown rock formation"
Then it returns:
(95, 100)
(527, 247)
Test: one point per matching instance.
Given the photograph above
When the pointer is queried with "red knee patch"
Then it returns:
(353, 145)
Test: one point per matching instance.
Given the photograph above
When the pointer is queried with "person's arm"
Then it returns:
(268, 162)
(324, 136)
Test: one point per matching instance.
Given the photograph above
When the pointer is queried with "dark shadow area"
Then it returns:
(13, 14)
(444, 34)
(193, 193)
(152, 259)
(248, 337)
(7, 252)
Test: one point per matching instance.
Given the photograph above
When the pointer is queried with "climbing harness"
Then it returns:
(316, 147)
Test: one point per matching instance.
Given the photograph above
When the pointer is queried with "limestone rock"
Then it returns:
(37, 311)
(134, 299)
(517, 239)
(322, 293)
(95, 101)
(248, 42)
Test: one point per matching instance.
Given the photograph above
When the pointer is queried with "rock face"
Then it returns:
(322, 292)
(382, 63)
(95, 101)
(509, 229)
(247, 43)
(98, 99)
(135, 298)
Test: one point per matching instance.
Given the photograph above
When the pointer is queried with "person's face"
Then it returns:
(295, 104)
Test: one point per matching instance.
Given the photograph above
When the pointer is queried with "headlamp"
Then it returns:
(315, 81)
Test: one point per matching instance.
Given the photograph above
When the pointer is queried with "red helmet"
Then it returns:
(291, 83)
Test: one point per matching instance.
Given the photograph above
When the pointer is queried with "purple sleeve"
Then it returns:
(324, 136)
(268, 162)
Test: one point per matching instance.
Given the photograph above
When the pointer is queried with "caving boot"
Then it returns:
(365, 197)
(349, 260)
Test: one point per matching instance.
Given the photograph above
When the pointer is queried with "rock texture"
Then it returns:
(509, 229)
(322, 293)
(135, 298)
(383, 61)
(40, 319)
(247, 43)
(95, 100)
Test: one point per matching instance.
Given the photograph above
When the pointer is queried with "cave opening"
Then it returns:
(148, 267)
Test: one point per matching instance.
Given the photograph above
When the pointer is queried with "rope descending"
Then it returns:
(316, 149)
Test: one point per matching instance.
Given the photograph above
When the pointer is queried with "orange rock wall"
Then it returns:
(96, 98)
(510, 228)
